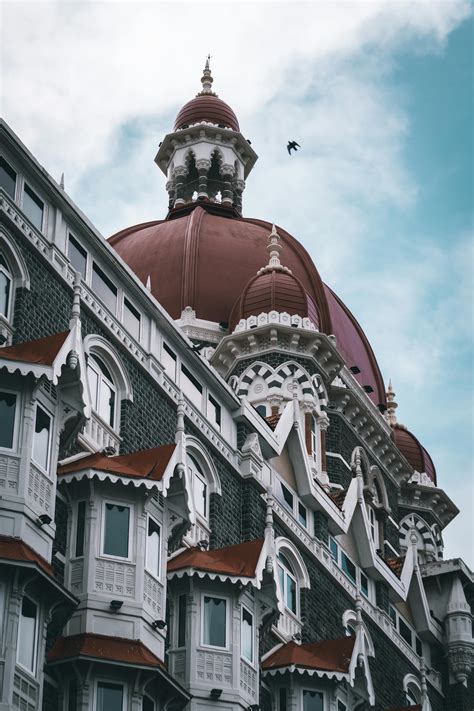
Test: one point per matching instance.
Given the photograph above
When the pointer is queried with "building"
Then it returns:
(207, 501)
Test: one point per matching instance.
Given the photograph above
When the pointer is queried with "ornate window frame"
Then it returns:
(19, 278)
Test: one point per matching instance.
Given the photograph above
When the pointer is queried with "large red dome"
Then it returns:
(204, 257)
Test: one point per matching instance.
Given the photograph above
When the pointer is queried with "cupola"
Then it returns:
(206, 158)
(274, 288)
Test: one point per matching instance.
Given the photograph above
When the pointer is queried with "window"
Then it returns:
(288, 585)
(313, 701)
(116, 530)
(7, 178)
(72, 696)
(364, 585)
(131, 319)
(214, 622)
(214, 411)
(104, 288)
(33, 207)
(314, 438)
(5, 287)
(246, 635)
(200, 489)
(152, 560)
(181, 641)
(168, 358)
(102, 388)
(80, 526)
(77, 255)
(334, 549)
(348, 567)
(42, 438)
(262, 410)
(27, 635)
(372, 524)
(109, 697)
(191, 386)
(286, 497)
(7, 419)
(405, 631)
(282, 702)
(302, 514)
(341, 706)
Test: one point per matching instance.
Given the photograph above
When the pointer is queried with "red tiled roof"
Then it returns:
(337, 496)
(99, 646)
(239, 560)
(42, 351)
(394, 563)
(273, 420)
(147, 464)
(15, 549)
(328, 655)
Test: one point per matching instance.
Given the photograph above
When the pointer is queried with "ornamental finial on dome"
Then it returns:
(274, 248)
(390, 415)
(206, 79)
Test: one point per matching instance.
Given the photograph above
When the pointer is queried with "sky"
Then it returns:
(378, 95)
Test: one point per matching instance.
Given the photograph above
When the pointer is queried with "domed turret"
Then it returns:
(274, 288)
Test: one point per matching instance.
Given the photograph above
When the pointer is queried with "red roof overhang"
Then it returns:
(105, 649)
(42, 351)
(240, 560)
(146, 464)
(329, 655)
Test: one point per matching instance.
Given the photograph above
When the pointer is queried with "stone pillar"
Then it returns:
(238, 186)
(203, 165)
(179, 174)
(227, 172)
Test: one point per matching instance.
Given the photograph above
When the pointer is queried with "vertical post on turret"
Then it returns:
(238, 186)
(203, 166)
(227, 172)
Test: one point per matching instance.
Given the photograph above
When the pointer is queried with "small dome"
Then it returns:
(414, 452)
(274, 291)
(209, 108)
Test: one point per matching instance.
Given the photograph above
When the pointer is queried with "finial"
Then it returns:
(76, 301)
(206, 79)
(61, 182)
(390, 415)
(148, 282)
(274, 248)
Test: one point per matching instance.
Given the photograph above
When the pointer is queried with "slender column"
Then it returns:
(227, 173)
(238, 186)
(179, 175)
(170, 189)
(203, 165)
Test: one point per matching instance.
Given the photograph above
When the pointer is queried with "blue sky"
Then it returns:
(378, 94)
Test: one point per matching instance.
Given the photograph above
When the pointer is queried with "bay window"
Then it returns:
(246, 635)
(116, 530)
(8, 411)
(42, 438)
(214, 622)
(28, 635)
(153, 544)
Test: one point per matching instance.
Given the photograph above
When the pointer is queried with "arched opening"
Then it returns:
(214, 178)
(191, 181)
(102, 389)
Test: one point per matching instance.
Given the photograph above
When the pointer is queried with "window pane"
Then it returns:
(41, 438)
(247, 635)
(334, 549)
(93, 385)
(7, 419)
(290, 593)
(77, 255)
(348, 567)
(282, 706)
(33, 207)
(200, 495)
(364, 585)
(5, 287)
(117, 520)
(7, 178)
(109, 697)
(418, 646)
(302, 515)
(182, 621)
(106, 405)
(131, 319)
(405, 631)
(27, 634)
(168, 359)
(214, 411)
(214, 622)
(148, 704)
(312, 701)
(104, 288)
(81, 518)
(393, 614)
(191, 386)
(286, 497)
(153, 548)
(341, 706)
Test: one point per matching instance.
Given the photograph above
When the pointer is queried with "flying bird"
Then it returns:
(292, 146)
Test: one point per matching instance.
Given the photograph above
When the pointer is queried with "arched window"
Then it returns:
(103, 390)
(200, 488)
(288, 584)
(412, 689)
(349, 622)
(6, 282)
(203, 481)
(371, 513)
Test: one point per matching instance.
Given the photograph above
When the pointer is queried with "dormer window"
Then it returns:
(102, 389)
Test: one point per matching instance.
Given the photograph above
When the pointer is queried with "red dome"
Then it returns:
(211, 259)
(414, 452)
(274, 290)
(206, 107)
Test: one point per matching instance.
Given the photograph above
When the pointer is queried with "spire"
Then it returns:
(206, 79)
(390, 415)
(274, 248)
